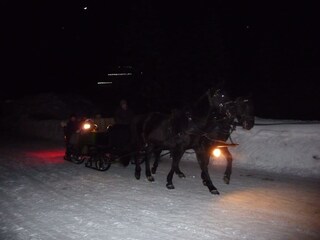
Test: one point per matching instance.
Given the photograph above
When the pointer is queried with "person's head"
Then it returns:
(123, 104)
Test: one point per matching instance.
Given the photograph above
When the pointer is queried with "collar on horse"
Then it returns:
(222, 115)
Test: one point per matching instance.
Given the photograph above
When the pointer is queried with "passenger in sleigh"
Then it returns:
(123, 114)
(70, 129)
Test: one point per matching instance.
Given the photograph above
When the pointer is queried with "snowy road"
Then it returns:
(44, 197)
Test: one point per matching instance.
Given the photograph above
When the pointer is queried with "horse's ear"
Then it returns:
(218, 83)
(246, 98)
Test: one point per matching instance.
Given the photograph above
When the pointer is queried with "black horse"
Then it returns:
(237, 113)
(199, 128)
(218, 129)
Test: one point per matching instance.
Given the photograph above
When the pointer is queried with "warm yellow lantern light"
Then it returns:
(216, 152)
(86, 126)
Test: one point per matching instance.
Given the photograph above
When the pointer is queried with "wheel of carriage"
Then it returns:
(103, 162)
(77, 158)
(89, 161)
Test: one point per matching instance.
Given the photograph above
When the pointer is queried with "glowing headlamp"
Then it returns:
(86, 126)
(216, 152)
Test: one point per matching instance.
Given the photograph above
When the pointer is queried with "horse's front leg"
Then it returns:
(155, 166)
(148, 155)
(176, 157)
(156, 161)
(203, 160)
(227, 173)
(137, 170)
(179, 172)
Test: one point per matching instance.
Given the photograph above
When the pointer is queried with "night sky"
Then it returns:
(175, 51)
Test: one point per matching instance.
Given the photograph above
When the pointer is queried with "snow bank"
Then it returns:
(289, 147)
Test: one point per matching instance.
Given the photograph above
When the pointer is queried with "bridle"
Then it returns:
(245, 115)
(221, 112)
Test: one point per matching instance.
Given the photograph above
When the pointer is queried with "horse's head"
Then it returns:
(217, 98)
(244, 112)
(221, 122)
(222, 107)
(216, 113)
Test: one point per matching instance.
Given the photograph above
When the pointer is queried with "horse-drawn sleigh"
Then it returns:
(99, 149)
(202, 127)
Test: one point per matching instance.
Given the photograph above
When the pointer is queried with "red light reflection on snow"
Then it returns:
(49, 156)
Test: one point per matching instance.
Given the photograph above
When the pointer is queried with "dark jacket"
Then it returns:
(71, 128)
(123, 116)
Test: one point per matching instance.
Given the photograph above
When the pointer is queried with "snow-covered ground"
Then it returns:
(44, 197)
(282, 146)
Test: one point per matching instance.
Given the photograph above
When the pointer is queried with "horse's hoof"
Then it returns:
(150, 179)
(137, 175)
(181, 175)
(226, 179)
(169, 186)
(215, 191)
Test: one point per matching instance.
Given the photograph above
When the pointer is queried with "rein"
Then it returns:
(196, 130)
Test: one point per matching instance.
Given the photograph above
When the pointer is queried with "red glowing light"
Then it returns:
(50, 156)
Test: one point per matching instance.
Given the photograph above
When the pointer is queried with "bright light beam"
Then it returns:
(216, 152)
(119, 74)
(104, 83)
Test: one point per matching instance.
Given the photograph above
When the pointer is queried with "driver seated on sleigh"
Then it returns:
(119, 132)
(123, 114)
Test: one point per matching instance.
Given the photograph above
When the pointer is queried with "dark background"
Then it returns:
(175, 51)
